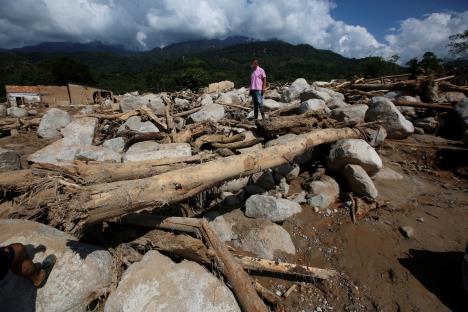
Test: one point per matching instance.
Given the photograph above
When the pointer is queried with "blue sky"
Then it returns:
(379, 16)
(349, 27)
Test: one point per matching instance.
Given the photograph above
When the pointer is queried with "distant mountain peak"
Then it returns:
(72, 47)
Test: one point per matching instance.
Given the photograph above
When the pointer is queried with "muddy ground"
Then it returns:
(380, 269)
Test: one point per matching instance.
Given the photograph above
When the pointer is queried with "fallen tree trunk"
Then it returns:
(76, 208)
(438, 106)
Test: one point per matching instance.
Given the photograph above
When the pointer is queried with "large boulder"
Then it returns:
(205, 99)
(59, 152)
(294, 91)
(156, 283)
(270, 104)
(382, 109)
(98, 153)
(80, 131)
(314, 105)
(359, 181)
(232, 97)
(273, 95)
(149, 150)
(134, 123)
(461, 110)
(352, 113)
(130, 102)
(311, 93)
(261, 237)
(81, 274)
(213, 112)
(356, 152)
(322, 192)
(9, 160)
(115, 144)
(52, 122)
(17, 112)
(451, 97)
(271, 208)
(221, 86)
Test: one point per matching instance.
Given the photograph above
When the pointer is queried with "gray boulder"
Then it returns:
(387, 174)
(352, 113)
(205, 99)
(130, 102)
(52, 122)
(294, 91)
(323, 192)
(359, 182)
(397, 126)
(182, 103)
(16, 112)
(428, 124)
(98, 153)
(80, 131)
(273, 95)
(9, 160)
(213, 112)
(156, 283)
(451, 97)
(81, 274)
(461, 110)
(311, 94)
(59, 152)
(261, 237)
(271, 208)
(134, 123)
(32, 112)
(356, 152)
(115, 144)
(150, 150)
(272, 104)
(314, 105)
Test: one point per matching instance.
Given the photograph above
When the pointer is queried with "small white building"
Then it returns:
(19, 95)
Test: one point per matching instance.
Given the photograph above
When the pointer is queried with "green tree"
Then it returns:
(431, 64)
(65, 70)
(394, 58)
(458, 44)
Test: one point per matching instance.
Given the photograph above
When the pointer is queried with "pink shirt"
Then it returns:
(256, 79)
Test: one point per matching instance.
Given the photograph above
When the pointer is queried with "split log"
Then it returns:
(284, 124)
(190, 131)
(152, 116)
(438, 106)
(188, 112)
(99, 202)
(234, 273)
(217, 138)
(132, 137)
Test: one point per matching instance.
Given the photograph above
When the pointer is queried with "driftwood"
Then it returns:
(191, 131)
(217, 138)
(99, 202)
(438, 106)
(188, 112)
(169, 120)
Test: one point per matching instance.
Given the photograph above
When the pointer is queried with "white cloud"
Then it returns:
(431, 33)
(148, 23)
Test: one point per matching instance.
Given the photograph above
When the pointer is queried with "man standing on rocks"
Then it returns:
(257, 88)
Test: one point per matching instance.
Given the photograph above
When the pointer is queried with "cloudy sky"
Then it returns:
(351, 28)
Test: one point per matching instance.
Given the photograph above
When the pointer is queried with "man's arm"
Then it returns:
(264, 84)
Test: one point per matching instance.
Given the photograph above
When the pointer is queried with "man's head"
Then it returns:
(254, 64)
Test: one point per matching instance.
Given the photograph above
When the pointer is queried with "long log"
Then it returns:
(76, 208)
(385, 86)
(438, 106)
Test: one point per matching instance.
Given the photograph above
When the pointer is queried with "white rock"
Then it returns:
(156, 283)
(59, 152)
(81, 274)
(134, 123)
(387, 173)
(80, 131)
(52, 122)
(294, 91)
(397, 126)
(352, 113)
(16, 112)
(98, 153)
(205, 99)
(461, 110)
(115, 144)
(213, 112)
(271, 208)
(32, 112)
(9, 160)
(354, 151)
(314, 105)
(221, 86)
(182, 103)
(359, 182)
(150, 150)
(130, 102)
(323, 192)
(234, 185)
(272, 104)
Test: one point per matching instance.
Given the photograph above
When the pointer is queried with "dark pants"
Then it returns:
(257, 99)
(7, 255)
